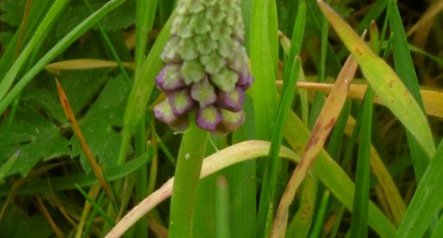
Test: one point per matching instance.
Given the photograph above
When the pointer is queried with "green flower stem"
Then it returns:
(187, 173)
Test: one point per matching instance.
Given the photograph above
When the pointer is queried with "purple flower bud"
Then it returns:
(180, 102)
(206, 63)
(203, 92)
(245, 80)
(163, 112)
(232, 101)
(170, 78)
(208, 118)
(231, 121)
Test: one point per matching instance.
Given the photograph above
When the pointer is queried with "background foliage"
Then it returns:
(105, 54)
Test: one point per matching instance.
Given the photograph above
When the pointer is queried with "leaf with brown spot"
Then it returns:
(323, 126)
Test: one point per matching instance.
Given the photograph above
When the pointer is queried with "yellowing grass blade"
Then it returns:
(83, 64)
(385, 82)
(233, 154)
(323, 126)
(432, 98)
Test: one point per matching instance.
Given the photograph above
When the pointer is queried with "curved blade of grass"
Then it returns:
(385, 82)
(64, 43)
(234, 154)
(39, 34)
(427, 200)
(142, 89)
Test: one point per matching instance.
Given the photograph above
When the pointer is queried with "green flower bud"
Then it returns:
(206, 66)
(225, 80)
(203, 92)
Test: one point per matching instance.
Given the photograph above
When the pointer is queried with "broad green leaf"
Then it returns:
(81, 88)
(98, 125)
(77, 11)
(384, 82)
(33, 138)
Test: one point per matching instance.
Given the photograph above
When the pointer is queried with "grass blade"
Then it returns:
(64, 43)
(333, 176)
(384, 82)
(322, 128)
(263, 52)
(231, 155)
(142, 89)
(359, 222)
(426, 202)
(39, 34)
(98, 172)
(291, 72)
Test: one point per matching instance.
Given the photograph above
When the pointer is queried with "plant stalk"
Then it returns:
(187, 173)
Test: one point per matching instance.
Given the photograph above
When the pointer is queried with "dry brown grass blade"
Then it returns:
(84, 64)
(96, 169)
(430, 13)
(323, 126)
(432, 98)
(41, 206)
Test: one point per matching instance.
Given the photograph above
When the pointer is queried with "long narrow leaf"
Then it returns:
(427, 200)
(385, 82)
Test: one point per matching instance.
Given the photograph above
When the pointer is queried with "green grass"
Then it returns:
(377, 175)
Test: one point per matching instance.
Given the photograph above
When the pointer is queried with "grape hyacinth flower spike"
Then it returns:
(206, 66)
